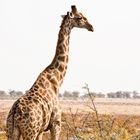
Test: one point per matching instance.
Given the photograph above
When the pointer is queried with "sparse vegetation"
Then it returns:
(81, 126)
(92, 126)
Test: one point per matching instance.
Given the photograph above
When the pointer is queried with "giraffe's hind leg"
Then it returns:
(29, 134)
(16, 134)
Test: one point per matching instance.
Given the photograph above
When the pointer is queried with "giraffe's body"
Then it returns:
(38, 110)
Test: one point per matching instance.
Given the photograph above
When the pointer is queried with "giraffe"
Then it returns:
(38, 110)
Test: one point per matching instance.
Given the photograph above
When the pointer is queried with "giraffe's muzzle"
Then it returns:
(90, 28)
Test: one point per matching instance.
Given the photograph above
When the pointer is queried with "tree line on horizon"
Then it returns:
(12, 94)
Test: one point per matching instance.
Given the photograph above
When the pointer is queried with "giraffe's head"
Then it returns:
(78, 20)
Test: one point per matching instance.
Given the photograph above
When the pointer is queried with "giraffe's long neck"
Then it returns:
(53, 75)
(59, 63)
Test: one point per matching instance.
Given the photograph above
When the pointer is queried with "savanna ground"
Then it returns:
(98, 119)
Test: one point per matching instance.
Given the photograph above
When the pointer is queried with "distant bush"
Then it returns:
(74, 95)
(11, 94)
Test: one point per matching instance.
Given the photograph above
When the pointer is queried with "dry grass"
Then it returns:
(84, 126)
(99, 119)
(81, 126)
(106, 106)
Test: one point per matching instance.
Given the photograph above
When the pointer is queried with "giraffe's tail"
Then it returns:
(12, 131)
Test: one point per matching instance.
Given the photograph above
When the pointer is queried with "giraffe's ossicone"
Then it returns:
(38, 109)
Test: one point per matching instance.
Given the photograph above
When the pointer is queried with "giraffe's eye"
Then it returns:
(78, 17)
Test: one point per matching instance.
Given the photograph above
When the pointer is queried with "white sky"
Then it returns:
(108, 59)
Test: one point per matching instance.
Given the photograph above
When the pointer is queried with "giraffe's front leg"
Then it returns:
(55, 123)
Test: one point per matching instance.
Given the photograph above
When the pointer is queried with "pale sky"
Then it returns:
(107, 59)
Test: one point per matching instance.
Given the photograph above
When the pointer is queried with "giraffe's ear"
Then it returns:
(73, 9)
(70, 14)
(63, 16)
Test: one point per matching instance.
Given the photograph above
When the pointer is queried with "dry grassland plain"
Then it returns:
(120, 109)
(103, 105)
